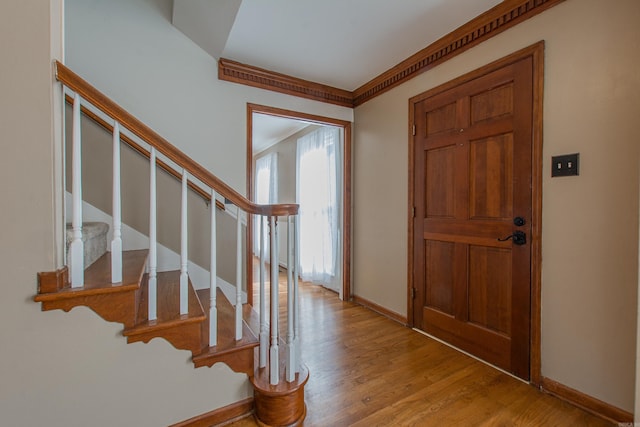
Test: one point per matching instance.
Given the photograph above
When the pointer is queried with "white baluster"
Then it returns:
(213, 309)
(184, 248)
(296, 296)
(76, 249)
(239, 276)
(274, 363)
(264, 327)
(153, 261)
(116, 242)
(291, 350)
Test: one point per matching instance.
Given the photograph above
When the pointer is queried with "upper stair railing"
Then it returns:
(193, 175)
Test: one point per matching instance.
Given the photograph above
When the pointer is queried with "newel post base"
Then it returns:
(279, 405)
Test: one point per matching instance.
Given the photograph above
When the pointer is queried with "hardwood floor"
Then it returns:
(367, 370)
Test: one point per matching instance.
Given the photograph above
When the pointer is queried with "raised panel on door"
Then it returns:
(490, 288)
(439, 275)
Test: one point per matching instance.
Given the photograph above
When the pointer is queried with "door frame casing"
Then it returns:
(346, 187)
(536, 52)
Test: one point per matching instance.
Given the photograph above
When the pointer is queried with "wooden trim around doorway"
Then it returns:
(346, 186)
(536, 52)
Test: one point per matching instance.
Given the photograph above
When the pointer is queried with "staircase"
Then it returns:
(151, 304)
(127, 302)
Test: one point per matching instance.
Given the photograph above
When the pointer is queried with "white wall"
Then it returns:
(68, 369)
(129, 50)
(590, 222)
(74, 369)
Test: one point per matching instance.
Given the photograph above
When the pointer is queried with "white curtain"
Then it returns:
(266, 192)
(318, 172)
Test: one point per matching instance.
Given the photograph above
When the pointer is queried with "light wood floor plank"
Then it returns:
(367, 370)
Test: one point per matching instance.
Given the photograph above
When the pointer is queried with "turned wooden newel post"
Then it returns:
(280, 405)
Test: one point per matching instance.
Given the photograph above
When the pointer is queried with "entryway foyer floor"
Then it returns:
(367, 370)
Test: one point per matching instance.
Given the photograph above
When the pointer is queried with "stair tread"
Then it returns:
(97, 277)
(168, 305)
(226, 326)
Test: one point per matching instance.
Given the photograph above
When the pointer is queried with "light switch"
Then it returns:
(566, 165)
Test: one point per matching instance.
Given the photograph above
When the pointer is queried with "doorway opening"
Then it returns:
(294, 157)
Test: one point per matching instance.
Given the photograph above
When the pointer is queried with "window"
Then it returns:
(318, 155)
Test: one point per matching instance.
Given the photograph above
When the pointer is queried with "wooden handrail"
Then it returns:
(143, 152)
(128, 121)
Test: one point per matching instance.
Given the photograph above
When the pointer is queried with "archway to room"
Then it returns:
(303, 126)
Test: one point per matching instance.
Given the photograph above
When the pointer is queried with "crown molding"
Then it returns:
(249, 75)
(491, 23)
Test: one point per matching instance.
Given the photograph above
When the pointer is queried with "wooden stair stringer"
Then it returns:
(238, 355)
(181, 331)
(114, 302)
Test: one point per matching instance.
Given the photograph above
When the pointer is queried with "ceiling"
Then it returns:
(269, 130)
(340, 43)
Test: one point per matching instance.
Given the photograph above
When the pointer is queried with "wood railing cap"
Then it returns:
(130, 122)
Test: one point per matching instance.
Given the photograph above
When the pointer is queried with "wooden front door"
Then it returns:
(472, 173)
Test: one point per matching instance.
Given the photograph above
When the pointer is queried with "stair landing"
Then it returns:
(114, 302)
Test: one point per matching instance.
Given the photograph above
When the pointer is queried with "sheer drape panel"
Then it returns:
(318, 156)
(266, 192)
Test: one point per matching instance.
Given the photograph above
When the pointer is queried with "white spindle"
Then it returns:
(239, 276)
(296, 296)
(291, 350)
(153, 262)
(77, 247)
(274, 363)
(264, 328)
(213, 309)
(116, 242)
(184, 248)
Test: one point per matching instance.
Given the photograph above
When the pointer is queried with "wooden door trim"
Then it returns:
(536, 52)
(346, 186)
